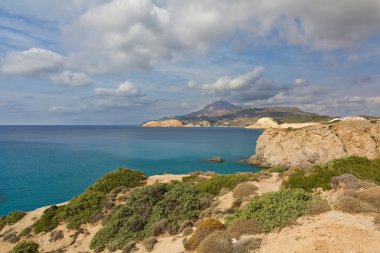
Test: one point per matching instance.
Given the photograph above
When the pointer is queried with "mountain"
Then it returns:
(223, 113)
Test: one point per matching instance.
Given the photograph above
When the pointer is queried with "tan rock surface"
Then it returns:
(315, 144)
(163, 123)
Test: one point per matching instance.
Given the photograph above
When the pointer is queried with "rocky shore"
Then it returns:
(315, 144)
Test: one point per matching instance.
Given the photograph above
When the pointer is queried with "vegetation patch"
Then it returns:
(360, 201)
(87, 206)
(205, 228)
(244, 227)
(247, 245)
(25, 247)
(218, 241)
(215, 184)
(11, 219)
(174, 203)
(244, 190)
(274, 209)
(321, 175)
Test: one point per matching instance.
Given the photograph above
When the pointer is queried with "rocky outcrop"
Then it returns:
(314, 144)
(163, 123)
(216, 159)
(265, 123)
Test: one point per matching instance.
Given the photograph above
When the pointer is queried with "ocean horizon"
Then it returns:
(47, 164)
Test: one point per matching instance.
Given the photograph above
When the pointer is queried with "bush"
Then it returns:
(319, 206)
(244, 190)
(83, 208)
(376, 219)
(149, 243)
(11, 237)
(187, 231)
(274, 209)
(26, 231)
(129, 247)
(174, 203)
(247, 245)
(49, 220)
(218, 241)
(11, 219)
(25, 247)
(205, 228)
(321, 175)
(121, 177)
(215, 184)
(56, 235)
(346, 181)
(159, 227)
(244, 227)
(353, 205)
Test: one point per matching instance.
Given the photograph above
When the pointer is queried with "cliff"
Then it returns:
(315, 144)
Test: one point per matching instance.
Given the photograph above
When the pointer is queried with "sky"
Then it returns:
(128, 61)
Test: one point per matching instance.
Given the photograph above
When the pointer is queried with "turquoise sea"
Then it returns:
(43, 165)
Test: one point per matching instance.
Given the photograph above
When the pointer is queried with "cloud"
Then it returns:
(126, 89)
(31, 62)
(242, 82)
(64, 110)
(365, 79)
(299, 82)
(71, 79)
(143, 33)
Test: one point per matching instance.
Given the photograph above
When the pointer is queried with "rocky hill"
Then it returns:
(315, 144)
(223, 113)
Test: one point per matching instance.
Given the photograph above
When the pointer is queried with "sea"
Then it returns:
(44, 165)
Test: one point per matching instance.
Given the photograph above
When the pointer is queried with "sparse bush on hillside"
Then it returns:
(26, 232)
(247, 245)
(348, 181)
(215, 184)
(87, 207)
(205, 228)
(50, 219)
(25, 247)
(376, 219)
(149, 243)
(274, 209)
(321, 175)
(11, 219)
(174, 203)
(83, 208)
(318, 206)
(360, 201)
(119, 178)
(244, 190)
(11, 237)
(217, 241)
(244, 227)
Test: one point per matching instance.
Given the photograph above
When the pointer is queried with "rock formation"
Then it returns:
(314, 144)
(163, 123)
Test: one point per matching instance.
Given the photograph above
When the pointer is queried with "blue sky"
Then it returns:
(127, 61)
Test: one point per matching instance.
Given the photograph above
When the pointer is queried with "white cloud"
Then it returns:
(126, 89)
(142, 33)
(72, 79)
(31, 62)
(64, 110)
(242, 82)
(299, 82)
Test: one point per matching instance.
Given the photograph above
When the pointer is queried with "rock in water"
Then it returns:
(315, 144)
(216, 159)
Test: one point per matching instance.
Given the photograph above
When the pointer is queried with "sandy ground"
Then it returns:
(334, 232)
(166, 178)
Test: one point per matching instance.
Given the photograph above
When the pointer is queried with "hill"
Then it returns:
(223, 113)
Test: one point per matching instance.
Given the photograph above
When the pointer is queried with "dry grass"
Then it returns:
(376, 219)
(353, 205)
(218, 241)
(149, 243)
(244, 227)
(244, 190)
(247, 245)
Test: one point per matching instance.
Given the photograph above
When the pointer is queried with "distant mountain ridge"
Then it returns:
(223, 113)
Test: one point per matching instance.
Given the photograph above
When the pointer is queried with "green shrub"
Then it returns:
(205, 228)
(11, 237)
(274, 209)
(215, 184)
(278, 169)
(133, 221)
(319, 206)
(218, 241)
(129, 222)
(321, 175)
(121, 177)
(25, 247)
(11, 219)
(83, 208)
(49, 220)
(26, 231)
